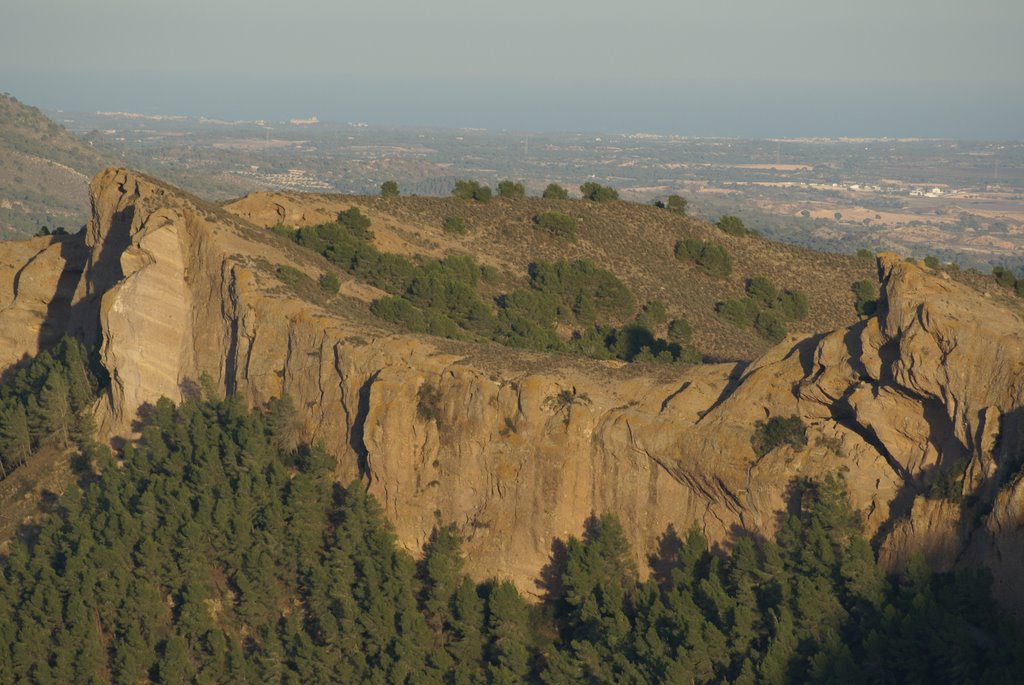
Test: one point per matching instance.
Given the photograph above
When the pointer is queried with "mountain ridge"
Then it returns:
(517, 451)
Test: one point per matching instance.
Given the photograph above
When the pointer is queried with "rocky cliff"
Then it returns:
(517, 449)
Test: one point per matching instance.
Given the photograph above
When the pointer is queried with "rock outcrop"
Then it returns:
(518, 450)
(37, 281)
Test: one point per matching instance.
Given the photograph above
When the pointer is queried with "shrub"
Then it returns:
(673, 203)
(389, 189)
(762, 290)
(581, 288)
(520, 330)
(598, 193)
(1004, 276)
(770, 326)
(866, 255)
(283, 231)
(679, 330)
(454, 224)
(652, 314)
(330, 283)
(932, 262)
(866, 293)
(732, 225)
(288, 275)
(949, 484)
(356, 223)
(555, 192)
(735, 312)
(541, 308)
(778, 431)
(711, 257)
(688, 249)
(471, 190)
(511, 190)
(792, 305)
(714, 260)
(558, 224)
(399, 310)
(490, 274)
(428, 403)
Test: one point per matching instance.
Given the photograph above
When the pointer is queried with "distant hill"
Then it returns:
(44, 172)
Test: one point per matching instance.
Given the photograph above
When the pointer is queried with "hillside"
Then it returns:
(918, 406)
(635, 242)
(44, 172)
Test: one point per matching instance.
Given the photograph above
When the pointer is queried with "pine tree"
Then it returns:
(507, 629)
(466, 638)
(441, 574)
(55, 413)
(81, 387)
(15, 443)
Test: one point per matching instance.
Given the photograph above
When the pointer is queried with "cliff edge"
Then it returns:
(518, 449)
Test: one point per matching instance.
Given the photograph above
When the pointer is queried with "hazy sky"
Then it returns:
(718, 67)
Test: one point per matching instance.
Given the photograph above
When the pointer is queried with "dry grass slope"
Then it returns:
(634, 241)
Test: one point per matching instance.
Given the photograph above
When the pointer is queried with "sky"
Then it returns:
(747, 68)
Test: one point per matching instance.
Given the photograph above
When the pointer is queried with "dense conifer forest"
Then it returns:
(218, 548)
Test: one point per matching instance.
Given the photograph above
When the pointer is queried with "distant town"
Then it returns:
(960, 201)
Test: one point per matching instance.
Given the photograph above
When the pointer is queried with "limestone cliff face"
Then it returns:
(518, 450)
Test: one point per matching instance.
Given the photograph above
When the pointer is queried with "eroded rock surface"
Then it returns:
(518, 450)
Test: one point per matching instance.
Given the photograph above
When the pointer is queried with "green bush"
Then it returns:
(471, 190)
(732, 225)
(673, 203)
(866, 293)
(330, 283)
(284, 231)
(712, 258)
(454, 224)
(389, 189)
(288, 275)
(1004, 276)
(511, 190)
(558, 224)
(770, 326)
(399, 310)
(762, 290)
(428, 403)
(356, 223)
(490, 274)
(865, 254)
(652, 314)
(932, 262)
(598, 193)
(527, 303)
(679, 330)
(581, 287)
(778, 431)
(555, 192)
(792, 305)
(688, 249)
(521, 330)
(735, 312)
(948, 484)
